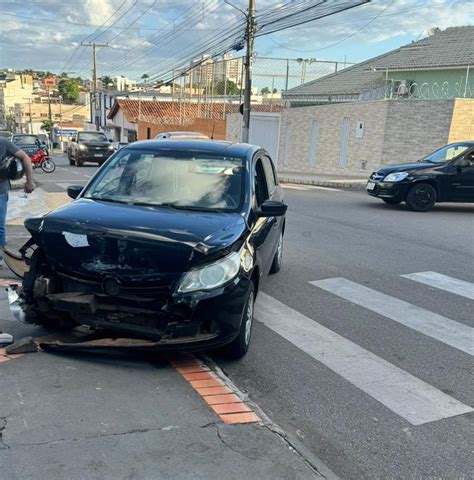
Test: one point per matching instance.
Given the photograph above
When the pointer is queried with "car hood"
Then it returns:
(96, 238)
(404, 167)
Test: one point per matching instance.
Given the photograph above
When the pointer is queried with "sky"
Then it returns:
(153, 36)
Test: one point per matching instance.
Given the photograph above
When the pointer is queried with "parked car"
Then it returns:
(5, 134)
(91, 147)
(181, 136)
(446, 175)
(168, 241)
(27, 142)
(119, 145)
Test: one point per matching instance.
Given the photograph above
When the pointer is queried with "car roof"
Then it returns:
(217, 147)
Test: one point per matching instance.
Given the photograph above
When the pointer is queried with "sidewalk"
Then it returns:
(334, 181)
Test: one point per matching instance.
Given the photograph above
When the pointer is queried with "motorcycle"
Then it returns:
(42, 159)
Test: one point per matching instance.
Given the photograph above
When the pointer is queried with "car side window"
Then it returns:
(261, 189)
(269, 174)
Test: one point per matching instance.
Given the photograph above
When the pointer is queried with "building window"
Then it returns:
(43, 115)
(344, 142)
(148, 133)
(313, 146)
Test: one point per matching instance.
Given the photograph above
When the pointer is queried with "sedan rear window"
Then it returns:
(25, 140)
(185, 180)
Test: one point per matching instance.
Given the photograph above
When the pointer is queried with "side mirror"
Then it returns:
(110, 140)
(464, 163)
(270, 208)
(73, 191)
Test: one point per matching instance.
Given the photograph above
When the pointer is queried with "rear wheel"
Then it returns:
(79, 163)
(391, 201)
(421, 197)
(239, 347)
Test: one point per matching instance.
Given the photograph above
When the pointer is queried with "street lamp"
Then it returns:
(60, 123)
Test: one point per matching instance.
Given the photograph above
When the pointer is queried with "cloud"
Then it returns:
(181, 24)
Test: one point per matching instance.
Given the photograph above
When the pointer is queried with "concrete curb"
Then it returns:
(342, 184)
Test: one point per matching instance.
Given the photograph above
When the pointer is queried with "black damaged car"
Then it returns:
(446, 175)
(169, 241)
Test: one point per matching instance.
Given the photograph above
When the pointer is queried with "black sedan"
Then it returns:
(446, 175)
(169, 241)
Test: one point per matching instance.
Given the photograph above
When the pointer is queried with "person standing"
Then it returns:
(8, 148)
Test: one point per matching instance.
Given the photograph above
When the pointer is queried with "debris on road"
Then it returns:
(25, 345)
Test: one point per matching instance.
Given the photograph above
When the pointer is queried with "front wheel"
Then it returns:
(239, 347)
(391, 201)
(277, 259)
(421, 197)
(48, 166)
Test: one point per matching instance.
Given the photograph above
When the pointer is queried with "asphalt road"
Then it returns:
(369, 371)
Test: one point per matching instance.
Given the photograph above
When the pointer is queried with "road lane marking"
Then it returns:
(443, 282)
(406, 395)
(443, 329)
(307, 188)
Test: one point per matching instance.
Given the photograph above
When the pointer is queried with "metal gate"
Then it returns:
(265, 132)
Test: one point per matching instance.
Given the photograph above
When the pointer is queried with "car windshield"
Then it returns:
(175, 179)
(92, 137)
(25, 140)
(446, 153)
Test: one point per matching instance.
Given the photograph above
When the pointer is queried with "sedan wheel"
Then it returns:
(421, 197)
(239, 347)
(277, 259)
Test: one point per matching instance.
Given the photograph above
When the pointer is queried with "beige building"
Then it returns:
(14, 89)
(30, 115)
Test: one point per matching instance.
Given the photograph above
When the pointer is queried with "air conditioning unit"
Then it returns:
(401, 88)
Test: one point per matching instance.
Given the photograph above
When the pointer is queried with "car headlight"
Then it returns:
(111, 147)
(82, 147)
(396, 177)
(211, 276)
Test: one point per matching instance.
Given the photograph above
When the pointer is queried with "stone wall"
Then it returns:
(462, 124)
(415, 128)
(364, 149)
(379, 133)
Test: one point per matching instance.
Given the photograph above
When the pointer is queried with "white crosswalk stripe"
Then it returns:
(404, 394)
(431, 324)
(443, 282)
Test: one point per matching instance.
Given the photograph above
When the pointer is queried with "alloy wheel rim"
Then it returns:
(249, 319)
(423, 197)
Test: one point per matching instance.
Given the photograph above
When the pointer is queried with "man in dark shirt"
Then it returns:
(8, 148)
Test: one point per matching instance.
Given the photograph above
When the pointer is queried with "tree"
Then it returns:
(275, 90)
(107, 81)
(64, 75)
(265, 91)
(145, 77)
(69, 90)
(226, 88)
(47, 126)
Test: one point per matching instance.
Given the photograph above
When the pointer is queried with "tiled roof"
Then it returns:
(149, 110)
(450, 48)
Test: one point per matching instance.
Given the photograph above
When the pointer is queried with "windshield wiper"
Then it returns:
(177, 206)
(108, 199)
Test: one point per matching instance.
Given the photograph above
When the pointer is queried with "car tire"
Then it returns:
(79, 163)
(277, 259)
(391, 201)
(71, 161)
(421, 197)
(240, 345)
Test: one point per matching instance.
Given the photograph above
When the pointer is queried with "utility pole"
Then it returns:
(248, 70)
(50, 117)
(31, 120)
(94, 77)
(250, 38)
